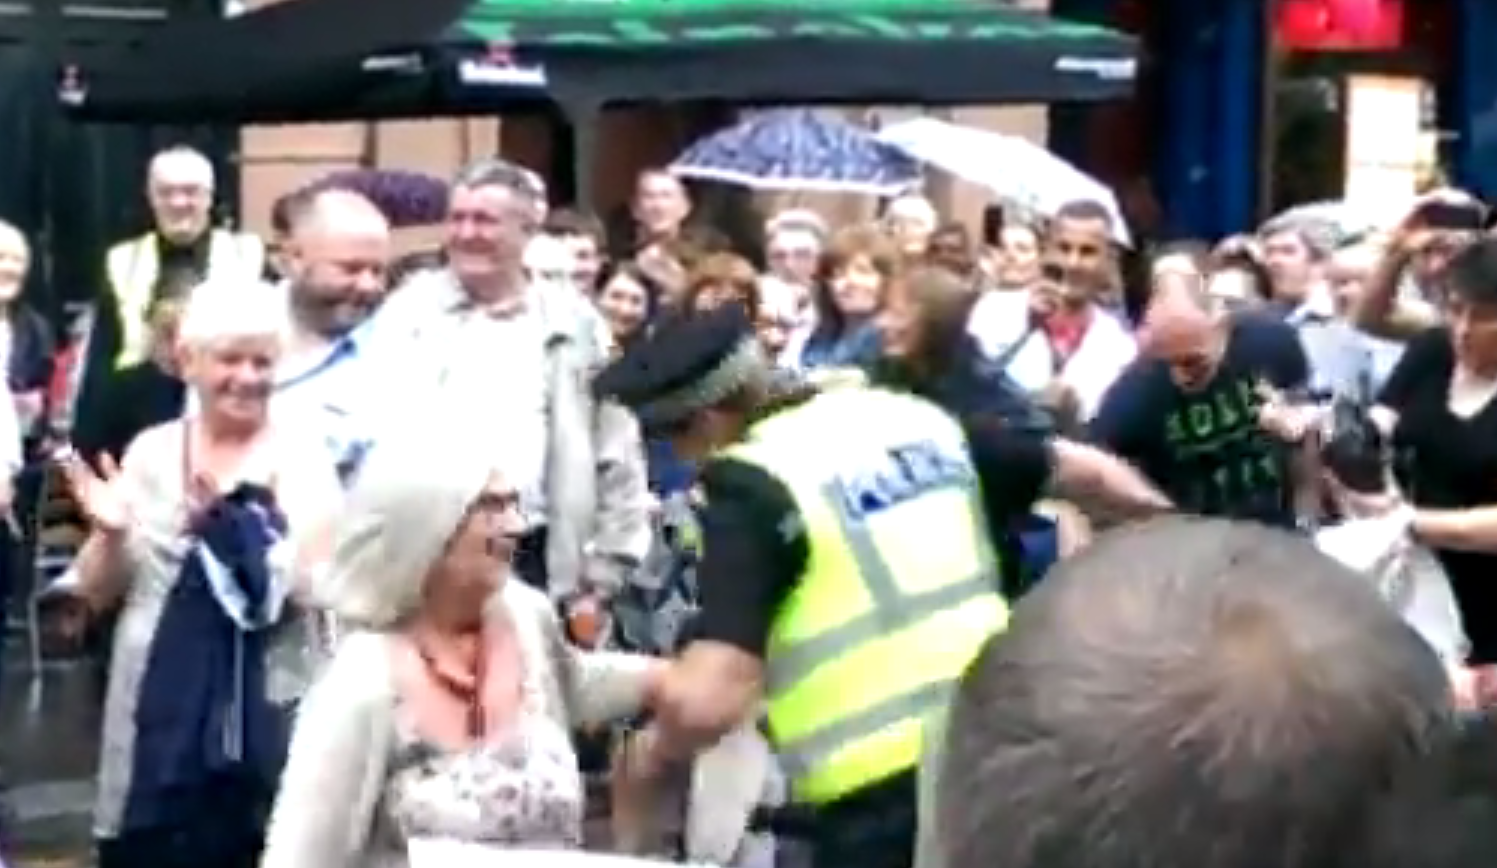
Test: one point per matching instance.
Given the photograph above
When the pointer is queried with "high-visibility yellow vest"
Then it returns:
(900, 591)
(132, 268)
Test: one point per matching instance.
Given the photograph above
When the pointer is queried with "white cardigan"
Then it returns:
(327, 813)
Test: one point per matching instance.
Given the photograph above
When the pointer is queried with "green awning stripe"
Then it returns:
(661, 22)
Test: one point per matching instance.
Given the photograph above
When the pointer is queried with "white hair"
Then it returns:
(232, 308)
(182, 165)
(797, 220)
(915, 208)
(410, 497)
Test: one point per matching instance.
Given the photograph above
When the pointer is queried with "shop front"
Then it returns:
(1247, 106)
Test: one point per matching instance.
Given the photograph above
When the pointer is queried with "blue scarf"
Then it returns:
(204, 724)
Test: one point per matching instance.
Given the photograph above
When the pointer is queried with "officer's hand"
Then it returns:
(587, 620)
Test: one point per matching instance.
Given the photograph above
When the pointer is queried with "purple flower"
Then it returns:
(405, 198)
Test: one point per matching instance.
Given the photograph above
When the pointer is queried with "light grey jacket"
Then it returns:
(597, 497)
(329, 810)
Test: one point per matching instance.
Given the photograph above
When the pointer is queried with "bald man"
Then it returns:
(336, 256)
(1192, 411)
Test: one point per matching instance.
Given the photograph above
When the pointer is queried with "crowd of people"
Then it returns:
(848, 545)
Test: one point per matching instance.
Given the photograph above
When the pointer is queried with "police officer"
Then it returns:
(847, 575)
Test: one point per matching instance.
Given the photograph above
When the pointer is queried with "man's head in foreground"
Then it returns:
(1187, 693)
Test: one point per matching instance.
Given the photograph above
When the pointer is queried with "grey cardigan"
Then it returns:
(328, 811)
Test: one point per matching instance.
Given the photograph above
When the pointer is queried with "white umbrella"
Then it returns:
(1014, 169)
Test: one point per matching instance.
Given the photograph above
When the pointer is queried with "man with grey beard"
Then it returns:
(335, 257)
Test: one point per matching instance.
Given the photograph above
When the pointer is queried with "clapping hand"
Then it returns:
(100, 493)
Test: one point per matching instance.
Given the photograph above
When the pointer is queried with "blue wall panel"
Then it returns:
(1469, 102)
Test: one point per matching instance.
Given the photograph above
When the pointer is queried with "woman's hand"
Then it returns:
(100, 494)
(202, 491)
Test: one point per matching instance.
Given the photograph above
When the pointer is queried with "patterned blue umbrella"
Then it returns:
(798, 149)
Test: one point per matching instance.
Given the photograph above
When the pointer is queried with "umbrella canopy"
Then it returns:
(335, 59)
(798, 149)
(1015, 170)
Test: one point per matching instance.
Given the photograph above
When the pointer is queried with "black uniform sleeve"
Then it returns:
(1013, 467)
(754, 550)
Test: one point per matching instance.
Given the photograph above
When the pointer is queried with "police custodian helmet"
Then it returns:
(685, 364)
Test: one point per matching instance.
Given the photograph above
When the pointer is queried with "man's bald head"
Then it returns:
(337, 212)
(1188, 692)
(336, 257)
(1187, 329)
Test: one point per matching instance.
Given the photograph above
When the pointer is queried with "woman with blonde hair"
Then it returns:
(447, 709)
(205, 537)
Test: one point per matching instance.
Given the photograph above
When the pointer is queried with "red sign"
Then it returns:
(1339, 25)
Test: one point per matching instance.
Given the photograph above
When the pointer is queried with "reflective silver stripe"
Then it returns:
(891, 610)
(791, 664)
(814, 750)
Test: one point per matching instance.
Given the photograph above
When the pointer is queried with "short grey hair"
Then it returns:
(1186, 692)
(495, 172)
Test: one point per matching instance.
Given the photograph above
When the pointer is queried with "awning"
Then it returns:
(947, 52)
(299, 60)
(341, 59)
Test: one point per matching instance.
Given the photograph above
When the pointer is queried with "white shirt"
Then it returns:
(1001, 318)
(433, 349)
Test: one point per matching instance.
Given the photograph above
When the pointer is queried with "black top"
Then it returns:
(1448, 462)
(1204, 447)
(32, 350)
(136, 398)
(179, 266)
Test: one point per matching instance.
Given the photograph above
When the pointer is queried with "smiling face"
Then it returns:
(179, 187)
(478, 556)
(488, 228)
(15, 262)
(234, 377)
(857, 287)
(625, 304)
(660, 204)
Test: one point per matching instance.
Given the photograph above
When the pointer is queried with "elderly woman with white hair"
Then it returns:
(204, 537)
(447, 709)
